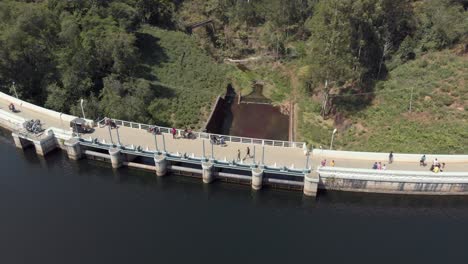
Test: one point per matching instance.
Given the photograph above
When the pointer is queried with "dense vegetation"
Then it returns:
(121, 56)
(350, 64)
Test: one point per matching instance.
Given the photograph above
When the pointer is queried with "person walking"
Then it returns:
(247, 153)
(422, 161)
(332, 163)
(238, 155)
(390, 157)
(173, 132)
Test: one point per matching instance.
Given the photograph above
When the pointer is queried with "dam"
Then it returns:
(279, 164)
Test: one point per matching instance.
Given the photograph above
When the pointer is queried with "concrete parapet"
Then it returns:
(160, 163)
(208, 176)
(397, 157)
(115, 157)
(257, 178)
(311, 182)
(20, 142)
(403, 182)
(73, 148)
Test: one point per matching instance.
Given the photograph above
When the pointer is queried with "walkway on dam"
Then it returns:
(281, 156)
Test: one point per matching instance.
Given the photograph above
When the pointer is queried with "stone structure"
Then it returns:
(208, 176)
(20, 142)
(116, 158)
(73, 148)
(160, 163)
(311, 181)
(257, 178)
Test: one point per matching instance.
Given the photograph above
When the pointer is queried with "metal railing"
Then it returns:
(178, 156)
(204, 135)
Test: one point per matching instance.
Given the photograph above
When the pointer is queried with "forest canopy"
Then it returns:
(144, 60)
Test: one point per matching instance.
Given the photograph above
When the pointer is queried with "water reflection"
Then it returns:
(87, 210)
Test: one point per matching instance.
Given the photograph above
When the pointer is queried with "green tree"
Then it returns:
(331, 60)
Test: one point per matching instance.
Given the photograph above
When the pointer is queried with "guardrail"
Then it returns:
(204, 135)
(393, 175)
(137, 150)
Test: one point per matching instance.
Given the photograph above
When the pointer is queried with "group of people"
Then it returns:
(436, 165)
(109, 122)
(323, 163)
(217, 140)
(379, 166)
(187, 133)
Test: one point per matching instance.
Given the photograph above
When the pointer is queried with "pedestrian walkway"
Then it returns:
(290, 157)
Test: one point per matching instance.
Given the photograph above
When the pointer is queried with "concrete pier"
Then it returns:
(208, 176)
(116, 158)
(45, 144)
(160, 163)
(73, 149)
(257, 178)
(20, 142)
(311, 181)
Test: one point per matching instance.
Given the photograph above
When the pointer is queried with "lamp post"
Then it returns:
(333, 135)
(14, 89)
(118, 135)
(110, 134)
(82, 109)
(156, 142)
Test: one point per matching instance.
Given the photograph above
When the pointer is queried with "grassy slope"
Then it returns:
(186, 78)
(438, 123)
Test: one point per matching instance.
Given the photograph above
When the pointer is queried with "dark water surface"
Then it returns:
(58, 211)
(256, 121)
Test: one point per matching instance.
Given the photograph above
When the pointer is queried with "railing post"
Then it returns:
(118, 136)
(212, 151)
(203, 144)
(254, 154)
(263, 154)
(156, 142)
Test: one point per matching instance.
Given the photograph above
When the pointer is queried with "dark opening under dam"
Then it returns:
(253, 116)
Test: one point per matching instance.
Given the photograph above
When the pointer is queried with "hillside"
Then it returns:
(349, 65)
(186, 79)
(438, 121)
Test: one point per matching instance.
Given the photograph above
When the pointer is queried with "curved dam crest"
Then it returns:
(279, 164)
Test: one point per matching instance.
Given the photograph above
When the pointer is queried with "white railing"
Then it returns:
(204, 135)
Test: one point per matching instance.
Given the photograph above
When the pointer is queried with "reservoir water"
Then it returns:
(54, 210)
(254, 117)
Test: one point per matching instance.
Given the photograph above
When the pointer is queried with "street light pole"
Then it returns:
(156, 142)
(333, 135)
(118, 136)
(14, 89)
(110, 134)
(82, 109)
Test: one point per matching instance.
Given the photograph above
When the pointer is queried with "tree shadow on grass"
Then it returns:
(152, 55)
(357, 97)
